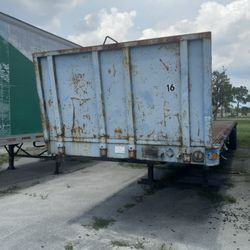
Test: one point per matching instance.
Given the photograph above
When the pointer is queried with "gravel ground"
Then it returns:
(100, 205)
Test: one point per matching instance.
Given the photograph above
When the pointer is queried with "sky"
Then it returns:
(88, 22)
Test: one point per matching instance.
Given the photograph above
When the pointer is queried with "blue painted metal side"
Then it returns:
(143, 100)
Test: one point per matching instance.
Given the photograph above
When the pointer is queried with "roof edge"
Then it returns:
(27, 26)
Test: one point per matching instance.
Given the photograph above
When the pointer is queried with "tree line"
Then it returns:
(226, 98)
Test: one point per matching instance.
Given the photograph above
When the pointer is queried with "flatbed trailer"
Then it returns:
(225, 133)
(141, 101)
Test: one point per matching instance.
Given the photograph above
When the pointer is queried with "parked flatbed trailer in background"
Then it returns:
(140, 101)
(224, 133)
(20, 119)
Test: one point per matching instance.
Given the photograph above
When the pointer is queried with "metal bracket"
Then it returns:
(108, 37)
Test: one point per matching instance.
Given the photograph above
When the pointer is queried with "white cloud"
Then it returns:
(47, 7)
(212, 16)
(53, 25)
(104, 23)
(229, 24)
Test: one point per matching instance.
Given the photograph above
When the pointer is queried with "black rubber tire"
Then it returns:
(233, 139)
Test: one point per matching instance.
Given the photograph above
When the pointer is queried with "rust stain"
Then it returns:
(73, 119)
(80, 100)
(179, 135)
(169, 39)
(126, 60)
(166, 113)
(103, 152)
(79, 83)
(86, 116)
(118, 130)
(164, 64)
(149, 135)
(77, 77)
(50, 102)
(131, 153)
(112, 71)
(77, 131)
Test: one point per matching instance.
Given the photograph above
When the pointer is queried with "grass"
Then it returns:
(129, 205)
(164, 247)
(216, 197)
(100, 223)
(138, 245)
(120, 210)
(8, 191)
(3, 158)
(120, 243)
(242, 153)
(123, 243)
(69, 247)
(44, 196)
(125, 207)
(243, 133)
(133, 165)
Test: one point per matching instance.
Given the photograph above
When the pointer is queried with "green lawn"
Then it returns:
(243, 133)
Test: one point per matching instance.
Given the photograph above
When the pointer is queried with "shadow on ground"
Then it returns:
(30, 172)
(178, 209)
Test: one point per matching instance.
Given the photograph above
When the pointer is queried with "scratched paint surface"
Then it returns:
(146, 99)
(157, 109)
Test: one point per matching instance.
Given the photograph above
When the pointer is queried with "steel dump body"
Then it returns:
(146, 100)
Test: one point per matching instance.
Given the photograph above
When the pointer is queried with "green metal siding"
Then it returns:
(19, 100)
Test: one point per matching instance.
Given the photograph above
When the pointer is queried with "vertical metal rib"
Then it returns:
(100, 102)
(41, 96)
(207, 92)
(185, 95)
(55, 101)
(129, 102)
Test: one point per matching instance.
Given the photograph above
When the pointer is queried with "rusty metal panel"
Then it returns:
(144, 100)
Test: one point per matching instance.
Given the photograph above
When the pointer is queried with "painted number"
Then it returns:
(170, 87)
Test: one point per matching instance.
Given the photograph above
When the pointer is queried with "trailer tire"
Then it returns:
(233, 139)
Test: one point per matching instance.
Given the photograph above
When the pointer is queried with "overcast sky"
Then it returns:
(87, 22)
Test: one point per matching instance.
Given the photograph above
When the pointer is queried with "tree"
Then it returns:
(222, 91)
(240, 95)
(244, 110)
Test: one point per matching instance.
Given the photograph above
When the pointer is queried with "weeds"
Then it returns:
(125, 207)
(69, 247)
(129, 205)
(120, 243)
(216, 198)
(123, 243)
(8, 191)
(3, 158)
(138, 245)
(133, 165)
(120, 210)
(242, 154)
(100, 223)
(164, 247)
(44, 196)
